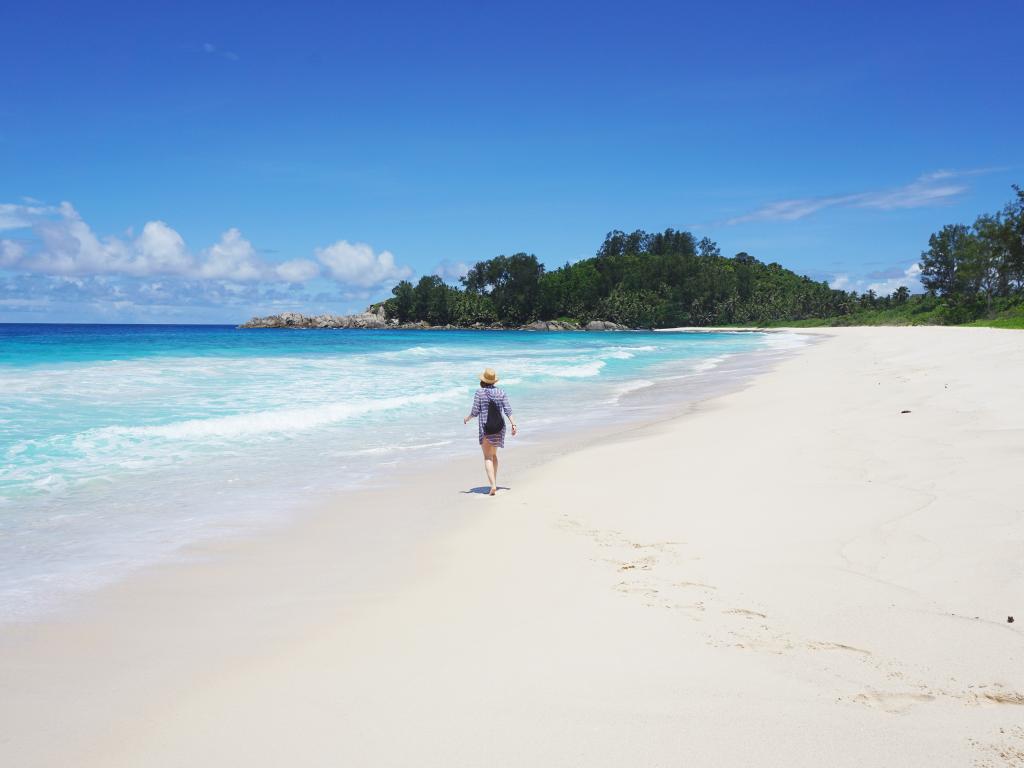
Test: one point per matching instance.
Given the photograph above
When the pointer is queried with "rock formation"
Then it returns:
(551, 325)
(604, 325)
(375, 317)
(371, 318)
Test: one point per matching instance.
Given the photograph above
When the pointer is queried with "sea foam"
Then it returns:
(119, 446)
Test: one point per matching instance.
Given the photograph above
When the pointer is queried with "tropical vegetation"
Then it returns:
(650, 280)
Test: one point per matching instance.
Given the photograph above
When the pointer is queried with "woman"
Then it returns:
(490, 444)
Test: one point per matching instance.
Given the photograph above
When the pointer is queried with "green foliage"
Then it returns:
(923, 309)
(973, 267)
(512, 282)
(637, 309)
(665, 279)
(639, 279)
(403, 302)
(472, 309)
(1005, 315)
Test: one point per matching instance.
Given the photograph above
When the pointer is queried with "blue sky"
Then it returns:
(201, 162)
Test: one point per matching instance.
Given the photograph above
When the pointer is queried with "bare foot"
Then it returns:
(493, 491)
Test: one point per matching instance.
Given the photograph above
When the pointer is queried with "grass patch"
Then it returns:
(919, 310)
(1011, 317)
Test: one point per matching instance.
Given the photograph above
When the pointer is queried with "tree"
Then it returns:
(404, 301)
(431, 300)
(900, 295)
(512, 282)
(637, 309)
(472, 309)
(708, 248)
(1013, 238)
(744, 267)
(986, 258)
(940, 264)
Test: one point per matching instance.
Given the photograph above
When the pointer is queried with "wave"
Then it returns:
(385, 449)
(417, 351)
(581, 370)
(786, 340)
(710, 364)
(284, 420)
(629, 386)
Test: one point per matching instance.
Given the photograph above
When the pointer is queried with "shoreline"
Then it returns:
(627, 601)
(628, 409)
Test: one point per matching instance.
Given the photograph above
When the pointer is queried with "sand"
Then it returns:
(795, 574)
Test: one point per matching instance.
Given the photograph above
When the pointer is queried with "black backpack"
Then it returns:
(495, 423)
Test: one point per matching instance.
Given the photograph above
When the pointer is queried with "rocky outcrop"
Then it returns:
(372, 318)
(604, 325)
(375, 317)
(551, 325)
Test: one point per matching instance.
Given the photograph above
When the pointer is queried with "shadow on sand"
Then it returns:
(485, 489)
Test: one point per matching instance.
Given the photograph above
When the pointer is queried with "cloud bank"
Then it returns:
(51, 257)
(63, 244)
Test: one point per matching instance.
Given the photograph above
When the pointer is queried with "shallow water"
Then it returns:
(120, 444)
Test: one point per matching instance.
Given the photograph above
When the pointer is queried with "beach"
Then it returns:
(814, 570)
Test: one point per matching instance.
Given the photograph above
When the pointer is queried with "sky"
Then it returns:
(204, 162)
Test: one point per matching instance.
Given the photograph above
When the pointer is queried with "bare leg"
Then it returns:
(490, 463)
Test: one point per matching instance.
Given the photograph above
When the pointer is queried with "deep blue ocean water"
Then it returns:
(119, 444)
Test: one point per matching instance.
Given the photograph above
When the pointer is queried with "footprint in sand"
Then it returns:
(816, 645)
(642, 564)
(697, 584)
(635, 588)
(746, 613)
(896, 703)
(1000, 697)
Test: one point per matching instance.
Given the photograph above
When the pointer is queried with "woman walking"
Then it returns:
(489, 403)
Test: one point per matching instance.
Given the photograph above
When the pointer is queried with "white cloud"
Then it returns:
(840, 283)
(355, 264)
(63, 245)
(297, 270)
(923, 191)
(450, 270)
(911, 278)
(10, 253)
(70, 247)
(790, 210)
(929, 189)
(233, 258)
(160, 249)
(14, 216)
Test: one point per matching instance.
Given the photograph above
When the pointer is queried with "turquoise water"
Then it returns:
(120, 444)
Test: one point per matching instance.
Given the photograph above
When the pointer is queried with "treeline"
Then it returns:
(656, 280)
(975, 268)
(640, 279)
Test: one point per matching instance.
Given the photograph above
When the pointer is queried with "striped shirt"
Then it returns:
(480, 400)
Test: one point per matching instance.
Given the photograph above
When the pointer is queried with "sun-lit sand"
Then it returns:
(814, 571)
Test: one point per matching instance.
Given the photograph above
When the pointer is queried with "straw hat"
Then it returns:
(489, 376)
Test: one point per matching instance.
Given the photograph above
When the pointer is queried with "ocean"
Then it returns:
(121, 444)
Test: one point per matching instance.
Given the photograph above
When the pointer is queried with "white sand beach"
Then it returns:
(816, 570)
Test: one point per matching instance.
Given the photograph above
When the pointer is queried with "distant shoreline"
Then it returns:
(375, 319)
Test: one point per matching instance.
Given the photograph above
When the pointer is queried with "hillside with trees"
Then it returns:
(665, 279)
